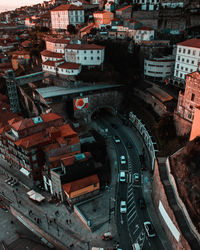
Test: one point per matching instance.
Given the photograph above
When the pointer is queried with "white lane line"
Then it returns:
(130, 199)
(136, 228)
(134, 213)
(132, 208)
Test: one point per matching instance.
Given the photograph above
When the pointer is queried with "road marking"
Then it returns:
(132, 208)
(136, 228)
(129, 218)
(130, 199)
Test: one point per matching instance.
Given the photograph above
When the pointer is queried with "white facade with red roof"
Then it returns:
(57, 45)
(64, 15)
(51, 56)
(148, 4)
(187, 58)
(143, 34)
(85, 54)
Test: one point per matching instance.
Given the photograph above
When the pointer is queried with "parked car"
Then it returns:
(149, 229)
(8, 179)
(2, 206)
(114, 125)
(136, 177)
(122, 159)
(107, 236)
(142, 203)
(122, 176)
(123, 207)
(116, 139)
(129, 145)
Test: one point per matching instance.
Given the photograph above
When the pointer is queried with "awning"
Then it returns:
(35, 196)
(24, 171)
(31, 192)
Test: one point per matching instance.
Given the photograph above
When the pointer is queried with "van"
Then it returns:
(136, 246)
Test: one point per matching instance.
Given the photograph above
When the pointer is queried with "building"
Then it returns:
(124, 13)
(159, 68)
(20, 57)
(64, 15)
(103, 18)
(70, 169)
(110, 6)
(172, 4)
(187, 59)
(190, 99)
(30, 143)
(57, 45)
(148, 4)
(89, 55)
(195, 131)
(51, 56)
(143, 34)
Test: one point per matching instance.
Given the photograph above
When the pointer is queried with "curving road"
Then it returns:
(129, 225)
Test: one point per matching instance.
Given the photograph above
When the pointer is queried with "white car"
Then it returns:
(136, 177)
(123, 207)
(122, 176)
(122, 159)
(149, 229)
(116, 139)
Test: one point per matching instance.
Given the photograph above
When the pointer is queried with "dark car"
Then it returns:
(2, 206)
(129, 145)
(114, 125)
(142, 203)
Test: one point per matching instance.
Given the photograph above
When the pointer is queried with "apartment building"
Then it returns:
(103, 18)
(57, 45)
(187, 58)
(148, 4)
(85, 54)
(29, 143)
(124, 12)
(64, 15)
(159, 68)
(190, 99)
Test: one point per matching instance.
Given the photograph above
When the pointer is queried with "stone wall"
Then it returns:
(183, 127)
(110, 100)
(147, 18)
(159, 195)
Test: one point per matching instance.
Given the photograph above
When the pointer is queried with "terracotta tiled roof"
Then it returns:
(67, 7)
(51, 54)
(144, 28)
(124, 8)
(27, 123)
(80, 184)
(85, 47)
(68, 65)
(68, 161)
(194, 43)
(57, 40)
(49, 63)
(21, 52)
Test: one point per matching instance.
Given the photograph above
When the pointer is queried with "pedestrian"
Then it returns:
(54, 220)
(67, 221)
(70, 221)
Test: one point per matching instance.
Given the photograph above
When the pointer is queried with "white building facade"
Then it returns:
(148, 4)
(159, 68)
(187, 58)
(56, 45)
(143, 34)
(85, 54)
(64, 15)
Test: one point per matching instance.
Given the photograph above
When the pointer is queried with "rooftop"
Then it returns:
(194, 43)
(51, 54)
(85, 47)
(68, 65)
(67, 7)
(124, 8)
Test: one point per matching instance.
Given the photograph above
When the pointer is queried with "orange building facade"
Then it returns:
(103, 18)
(195, 125)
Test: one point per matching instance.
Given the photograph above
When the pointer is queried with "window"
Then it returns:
(189, 116)
(97, 51)
(183, 59)
(35, 165)
(85, 51)
(177, 66)
(194, 52)
(184, 51)
(181, 74)
(192, 62)
(187, 61)
(78, 57)
(190, 70)
(189, 52)
(191, 107)
(85, 58)
(178, 58)
(33, 157)
(192, 97)
(181, 68)
(186, 69)
(98, 58)
(91, 51)
(91, 58)
(179, 50)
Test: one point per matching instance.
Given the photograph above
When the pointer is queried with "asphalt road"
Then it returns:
(130, 225)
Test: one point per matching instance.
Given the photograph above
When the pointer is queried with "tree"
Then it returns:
(93, 31)
(71, 29)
